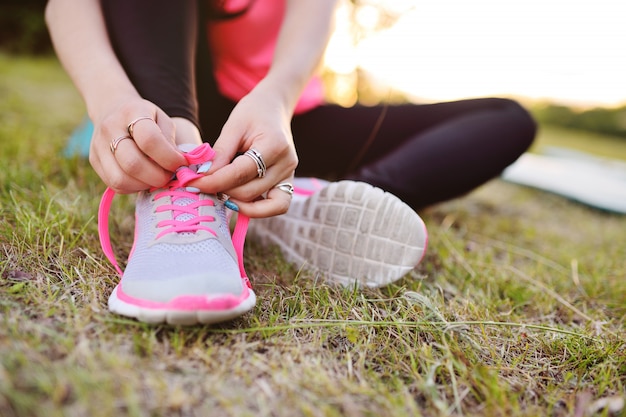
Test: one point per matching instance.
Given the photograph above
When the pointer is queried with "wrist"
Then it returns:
(284, 90)
(103, 91)
(101, 104)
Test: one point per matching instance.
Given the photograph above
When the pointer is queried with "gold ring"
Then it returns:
(115, 142)
(131, 125)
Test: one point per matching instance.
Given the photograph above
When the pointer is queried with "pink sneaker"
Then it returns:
(184, 267)
(349, 232)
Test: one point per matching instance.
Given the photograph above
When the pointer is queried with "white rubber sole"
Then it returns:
(350, 233)
(179, 317)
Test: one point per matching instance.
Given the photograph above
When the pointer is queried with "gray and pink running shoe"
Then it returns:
(184, 267)
(348, 232)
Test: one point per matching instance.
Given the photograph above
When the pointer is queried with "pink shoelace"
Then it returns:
(176, 189)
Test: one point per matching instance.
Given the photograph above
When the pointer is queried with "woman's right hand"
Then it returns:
(146, 160)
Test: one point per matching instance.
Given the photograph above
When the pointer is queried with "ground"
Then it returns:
(517, 309)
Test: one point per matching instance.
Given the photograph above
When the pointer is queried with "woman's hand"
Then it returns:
(147, 159)
(261, 122)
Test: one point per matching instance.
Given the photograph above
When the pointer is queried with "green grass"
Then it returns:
(594, 143)
(517, 310)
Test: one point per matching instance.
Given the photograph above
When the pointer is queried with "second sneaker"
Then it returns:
(349, 232)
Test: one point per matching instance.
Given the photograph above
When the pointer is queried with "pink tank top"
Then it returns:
(243, 48)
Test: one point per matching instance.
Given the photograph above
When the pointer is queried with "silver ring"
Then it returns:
(115, 142)
(285, 187)
(131, 125)
(261, 168)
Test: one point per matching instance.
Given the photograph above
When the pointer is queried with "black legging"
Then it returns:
(424, 154)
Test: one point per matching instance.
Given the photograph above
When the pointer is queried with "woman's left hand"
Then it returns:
(259, 122)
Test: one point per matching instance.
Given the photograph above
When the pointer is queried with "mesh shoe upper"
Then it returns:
(183, 252)
(164, 265)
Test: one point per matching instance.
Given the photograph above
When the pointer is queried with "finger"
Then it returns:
(277, 202)
(167, 126)
(226, 146)
(113, 176)
(267, 177)
(243, 170)
(253, 189)
(134, 163)
(155, 138)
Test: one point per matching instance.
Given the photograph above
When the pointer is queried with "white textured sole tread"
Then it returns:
(350, 232)
(178, 317)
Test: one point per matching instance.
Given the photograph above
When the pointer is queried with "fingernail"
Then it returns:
(192, 189)
(205, 167)
(229, 204)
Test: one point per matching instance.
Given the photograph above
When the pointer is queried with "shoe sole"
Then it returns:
(349, 232)
(179, 317)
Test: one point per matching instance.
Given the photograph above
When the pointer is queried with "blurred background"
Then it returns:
(565, 60)
(569, 51)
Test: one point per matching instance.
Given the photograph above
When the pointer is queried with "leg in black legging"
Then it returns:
(163, 48)
(155, 41)
(424, 154)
